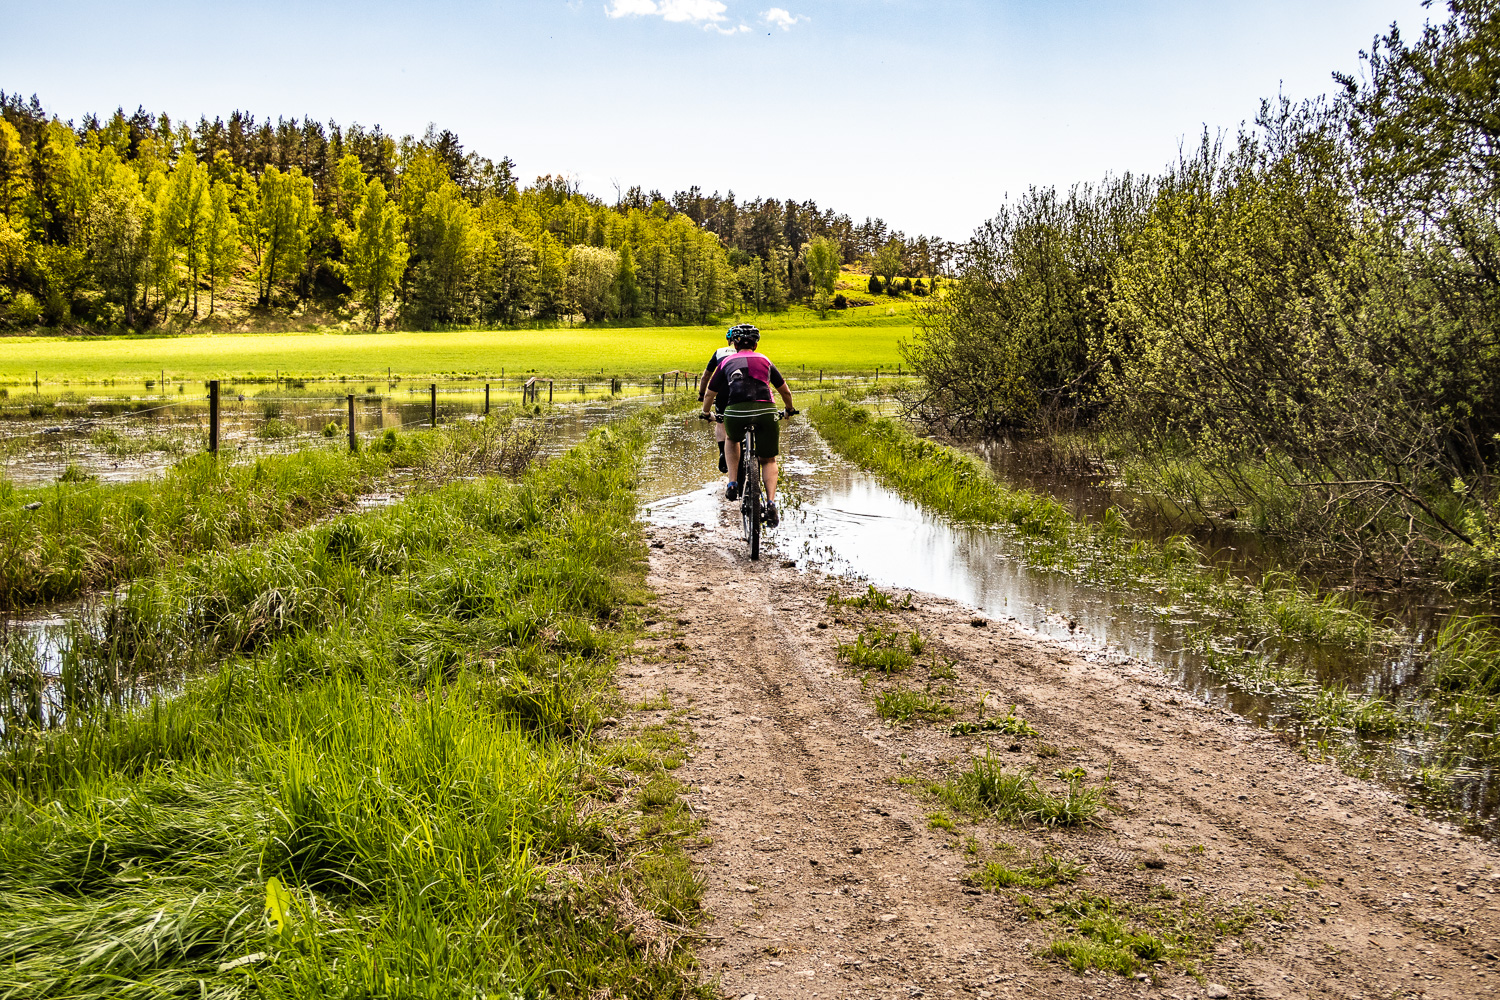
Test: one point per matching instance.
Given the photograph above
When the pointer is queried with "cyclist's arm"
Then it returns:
(708, 373)
(786, 395)
(708, 400)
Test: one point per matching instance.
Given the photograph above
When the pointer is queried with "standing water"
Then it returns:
(840, 520)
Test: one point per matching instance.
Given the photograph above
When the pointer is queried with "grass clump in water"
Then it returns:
(988, 789)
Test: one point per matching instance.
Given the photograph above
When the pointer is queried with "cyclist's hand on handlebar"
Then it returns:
(703, 415)
(792, 411)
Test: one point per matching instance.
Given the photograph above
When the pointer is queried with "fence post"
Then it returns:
(213, 417)
(549, 392)
(486, 398)
(820, 376)
(353, 441)
(434, 404)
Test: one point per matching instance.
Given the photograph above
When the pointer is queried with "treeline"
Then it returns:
(1298, 323)
(135, 220)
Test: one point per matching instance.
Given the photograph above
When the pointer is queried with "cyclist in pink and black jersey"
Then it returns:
(745, 380)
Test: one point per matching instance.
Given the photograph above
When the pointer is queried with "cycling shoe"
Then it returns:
(772, 518)
(732, 491)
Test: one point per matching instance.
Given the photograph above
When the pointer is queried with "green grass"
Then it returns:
(886, 650)
(1125, 937)
(391, 715)
(988, 789)
(903, 705)
(86, 535)
(1042, 874)
(1010, 723)
(846, 341)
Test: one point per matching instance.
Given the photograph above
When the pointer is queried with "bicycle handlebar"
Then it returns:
(719, 417)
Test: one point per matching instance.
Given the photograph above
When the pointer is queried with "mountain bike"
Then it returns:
(752, 506)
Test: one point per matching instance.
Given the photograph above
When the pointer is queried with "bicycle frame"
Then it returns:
(752, 506)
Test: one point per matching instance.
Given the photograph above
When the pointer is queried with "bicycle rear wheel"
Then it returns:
(751, 508)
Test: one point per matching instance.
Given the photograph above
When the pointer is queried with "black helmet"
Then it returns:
(745, 336)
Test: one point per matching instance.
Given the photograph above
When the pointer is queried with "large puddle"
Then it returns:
(839, 519)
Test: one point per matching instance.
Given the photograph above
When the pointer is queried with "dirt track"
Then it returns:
(825, 879)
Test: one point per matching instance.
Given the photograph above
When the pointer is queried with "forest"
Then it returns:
(1294, 328)
(137, 221)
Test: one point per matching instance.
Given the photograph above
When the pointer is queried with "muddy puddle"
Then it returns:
(840, 520)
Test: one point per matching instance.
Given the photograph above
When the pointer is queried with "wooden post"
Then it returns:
(213, 417)
(353, 441)
(549, 392)
(486, 398)
(434, 404)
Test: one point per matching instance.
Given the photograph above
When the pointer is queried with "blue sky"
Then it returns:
(928, 114)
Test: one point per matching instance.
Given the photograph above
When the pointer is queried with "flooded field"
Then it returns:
(840, 520)
(123, 436)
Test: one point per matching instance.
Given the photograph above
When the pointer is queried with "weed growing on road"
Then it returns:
(886, 650)
(988, 789)
(871, 600)
(1011, 724)
(1043, 874)
(903, 705)
(1124, 937)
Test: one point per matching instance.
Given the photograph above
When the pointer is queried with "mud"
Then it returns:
(825, 877)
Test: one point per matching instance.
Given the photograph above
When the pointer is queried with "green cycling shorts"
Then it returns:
(738, 416)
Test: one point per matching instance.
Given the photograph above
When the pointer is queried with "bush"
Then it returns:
(840, 302)
(875, 286)
(25, 310)
(906, 284)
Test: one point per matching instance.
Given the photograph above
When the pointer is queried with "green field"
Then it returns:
(855, 340)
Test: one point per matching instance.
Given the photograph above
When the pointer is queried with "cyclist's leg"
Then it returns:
(724, 465)
(734, 433)
(732, 458)
(767, 446)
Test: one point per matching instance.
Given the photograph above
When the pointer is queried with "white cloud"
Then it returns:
(630, 8)
(781, 18)
(704, 12)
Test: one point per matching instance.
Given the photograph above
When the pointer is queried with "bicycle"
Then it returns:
(752, 511)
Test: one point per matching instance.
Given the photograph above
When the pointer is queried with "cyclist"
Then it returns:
(744, 380)
(708, 373)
